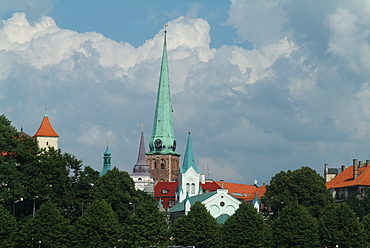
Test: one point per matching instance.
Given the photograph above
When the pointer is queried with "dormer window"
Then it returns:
(164, 191)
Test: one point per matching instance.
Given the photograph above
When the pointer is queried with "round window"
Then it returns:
(222, 204)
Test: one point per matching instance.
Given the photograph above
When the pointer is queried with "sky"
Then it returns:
(263, 86)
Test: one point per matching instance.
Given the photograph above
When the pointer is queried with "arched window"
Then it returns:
(187, 187)
(193, 188)
(155, 164)
(163, 164)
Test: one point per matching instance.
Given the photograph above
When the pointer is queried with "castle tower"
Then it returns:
(45, 135)
(162, 157)
(141, 173)
(189, 176)
(106, 162)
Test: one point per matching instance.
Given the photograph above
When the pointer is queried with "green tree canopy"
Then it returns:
(360, 207)
(245, 228)
(340, 226)
(97, 227)
(118, 189)
(366, 224)
(197, 228)
(8, 228)
(149, 227)
(303, 185)
(295, 227)
(48, 226)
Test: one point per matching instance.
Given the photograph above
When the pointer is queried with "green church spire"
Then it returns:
(189, 160)
(163, 139)
(106, 163)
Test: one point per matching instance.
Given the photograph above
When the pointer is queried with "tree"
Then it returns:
(366, 224)
(303, 185)
(197, 228)
(118, 189)
(48, 226)
(97, 227)
(8, 228)
(245, 228)
(339, 226)
(295, 227)
(149, 227)
(360, 207)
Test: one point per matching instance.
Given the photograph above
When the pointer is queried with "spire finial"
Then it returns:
(107, 142)
(165, 28)
(189, 129)
(142, 127)
(46, 112)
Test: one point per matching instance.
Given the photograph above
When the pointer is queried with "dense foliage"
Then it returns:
(49, 199)
(245, 228)
(198, 228)
(302, 185)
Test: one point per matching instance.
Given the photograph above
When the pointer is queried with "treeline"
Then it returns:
(48, 199)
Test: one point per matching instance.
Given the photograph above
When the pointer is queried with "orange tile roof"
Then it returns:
(345, 178)
(45, 129)
(240, 191)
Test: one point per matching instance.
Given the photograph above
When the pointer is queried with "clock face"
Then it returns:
(158, 143)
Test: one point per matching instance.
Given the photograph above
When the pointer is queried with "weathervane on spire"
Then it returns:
(165, 28)
(189, 128)
(142, 127)
(107, 142)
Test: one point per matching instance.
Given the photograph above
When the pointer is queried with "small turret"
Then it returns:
(106, 162)
(45, 135)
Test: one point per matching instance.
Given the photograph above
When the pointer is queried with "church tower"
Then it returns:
(189, 176)
(162, 157)
(106, 162)
(141, 174)
(45, 135)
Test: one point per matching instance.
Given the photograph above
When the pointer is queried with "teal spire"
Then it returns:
(189, 160)
(107, 162)
(163, 139)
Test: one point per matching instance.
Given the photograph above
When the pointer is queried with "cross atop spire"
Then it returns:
(189, 160)
(163, 139)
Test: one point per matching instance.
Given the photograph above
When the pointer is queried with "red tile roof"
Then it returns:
(345, 178)
(45, 129)
(240, 191)
(166, 192)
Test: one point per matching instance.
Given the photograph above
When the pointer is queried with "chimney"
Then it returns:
(367, 162)
(360, 164)
(343, 167)
(355, 164)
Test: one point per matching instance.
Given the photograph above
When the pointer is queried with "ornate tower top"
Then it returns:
(189, 160)
(106, 162)
(141, 167)
(163, 139)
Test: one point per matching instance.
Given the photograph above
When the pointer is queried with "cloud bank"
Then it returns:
(299, 96)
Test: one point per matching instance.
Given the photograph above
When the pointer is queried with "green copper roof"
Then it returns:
(189, 160)
(163, 139)
(107, 162)
(201, 198)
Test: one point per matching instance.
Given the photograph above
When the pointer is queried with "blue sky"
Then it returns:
(265, 85)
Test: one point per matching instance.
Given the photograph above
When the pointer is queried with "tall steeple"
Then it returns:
(106, 162)
(45, 135)
(141, 174)
(189, 160)
(189, 176)
(162, 157)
